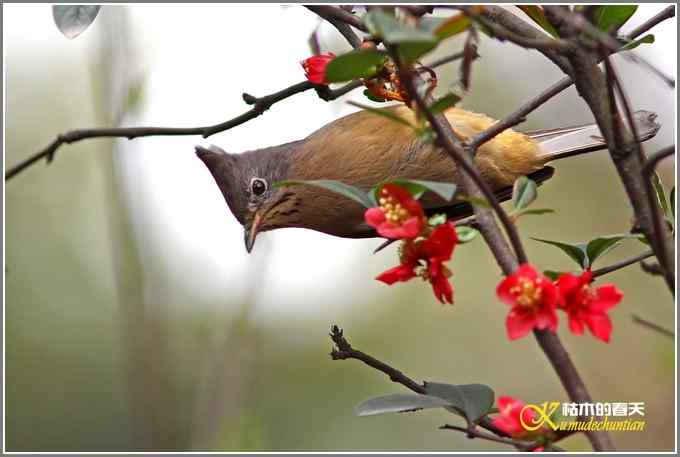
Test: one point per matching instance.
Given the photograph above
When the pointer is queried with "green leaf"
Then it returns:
(576, 252)
(612, 17)
(524, 192)
(373, 98)
(72, 20)
(647, 39)
(466, 234)
(348, 191)
(598, 247)
(360, 63)
(445, 190)
(660, 193)
(398, 403)
(444, 103)
(478, 201)
(412, 42)
(471, 400)
(552, 274)
(452, 26)
(437, 219)
(536, 211)
(537, 15)
(672, 199)
(384, 112)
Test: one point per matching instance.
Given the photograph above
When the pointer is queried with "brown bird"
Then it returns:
(364, 149)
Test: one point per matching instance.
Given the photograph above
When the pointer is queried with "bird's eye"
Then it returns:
(258, 186)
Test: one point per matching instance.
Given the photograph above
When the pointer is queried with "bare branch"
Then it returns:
(666, 13)
(260, 105)
(474, 433)
(343, 350)
(341, 20)
(622, 264)
(652, 326)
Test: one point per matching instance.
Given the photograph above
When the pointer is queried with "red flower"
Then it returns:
(512, 413)
(587, 305)
(533, 298)
(315, 67)
(399, 214)
(434, 250)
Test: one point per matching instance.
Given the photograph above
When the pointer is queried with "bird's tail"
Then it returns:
(569, 141)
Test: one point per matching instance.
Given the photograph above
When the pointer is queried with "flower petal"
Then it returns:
(503, 290)
(442, 289)
(607, 296)
(599, 325)
(397, 274)
(519, 323)
(575, 324)
(374, 217)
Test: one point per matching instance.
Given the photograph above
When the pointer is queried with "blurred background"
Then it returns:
(135, 320)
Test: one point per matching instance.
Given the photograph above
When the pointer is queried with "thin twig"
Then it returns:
(474, 433)
(582, 24)
(666, 13)
(652, 326)
(520, 114)
(343, 350)
(341, 20)
(662, 247)
(262, 104)
(622, 264)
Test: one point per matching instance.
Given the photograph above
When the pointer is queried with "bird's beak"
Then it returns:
(250, 232)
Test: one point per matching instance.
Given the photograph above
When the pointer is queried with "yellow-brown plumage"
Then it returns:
(364, 149)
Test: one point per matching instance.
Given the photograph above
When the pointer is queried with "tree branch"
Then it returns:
(652, 326)
(341, 20)
(666, 13)
(260, 105)
(622, 264)
(343, 350)
(474, 433)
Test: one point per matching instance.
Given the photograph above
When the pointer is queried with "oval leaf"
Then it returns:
(660, 194)
(338, 187)
(577, 252)
(472, 400)
(412, 42)
(384, 112)
(398, 403)
(647, 39)
(598, 247)
(72, 20)
(360, 63)
(612, 17)
(537, 15)
(523, 192)
(466, 234)
(452, 26)
(444, 103)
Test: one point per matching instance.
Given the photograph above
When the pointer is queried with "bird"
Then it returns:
(364, 149)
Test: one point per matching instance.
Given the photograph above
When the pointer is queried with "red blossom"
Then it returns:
(586, 305)
(533, 299)
(399, 215)
(315, 67)
(512, 413)
(434, 251)
(508, 420)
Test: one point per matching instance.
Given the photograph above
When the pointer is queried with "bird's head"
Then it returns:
(246, 181)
